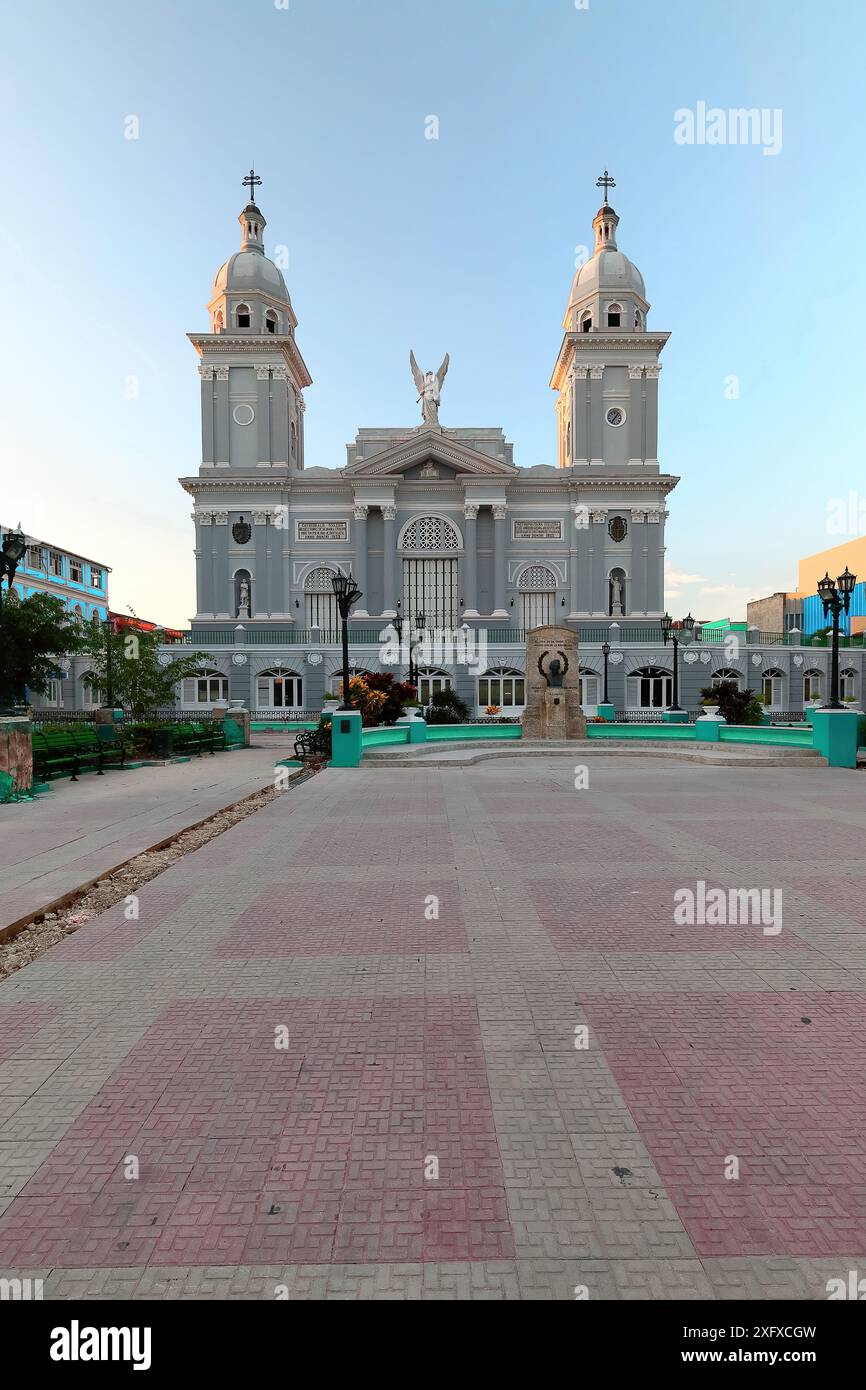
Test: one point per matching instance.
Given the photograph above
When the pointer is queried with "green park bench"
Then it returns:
(198, 737)
(72, 749)
(315, 743)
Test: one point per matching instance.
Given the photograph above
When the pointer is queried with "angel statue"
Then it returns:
(429, 386)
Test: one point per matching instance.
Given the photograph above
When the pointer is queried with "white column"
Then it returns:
(470, 560)
(596, 410)
(500, 543)
(360, 569)
(389, 561)
(636, 423)
(222, 434)
(207, 400)
(652, 413)
(263, 417)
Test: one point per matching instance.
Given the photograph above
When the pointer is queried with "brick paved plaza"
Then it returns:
(289, 1045)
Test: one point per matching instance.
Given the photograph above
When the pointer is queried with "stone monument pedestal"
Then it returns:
(553, 707)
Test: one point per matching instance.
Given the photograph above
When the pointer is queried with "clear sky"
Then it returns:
(466, 243)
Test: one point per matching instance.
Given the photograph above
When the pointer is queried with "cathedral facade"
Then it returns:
(438, 525)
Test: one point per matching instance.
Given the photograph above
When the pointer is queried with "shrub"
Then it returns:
(736, 706)
(446, 707)
(397, 694)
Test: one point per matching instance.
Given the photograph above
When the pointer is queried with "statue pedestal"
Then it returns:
(553, 711)
(557, 714)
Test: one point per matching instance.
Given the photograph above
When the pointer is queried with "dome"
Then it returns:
(607, 271)
(247, 271)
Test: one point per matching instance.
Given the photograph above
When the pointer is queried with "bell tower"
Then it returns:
(607, 371)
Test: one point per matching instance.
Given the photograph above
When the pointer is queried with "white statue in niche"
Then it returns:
(244, 598)
(615, 595)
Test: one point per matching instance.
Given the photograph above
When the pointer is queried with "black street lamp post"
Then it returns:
(14, 546)
(400, 624)
(836, 598)
(675, 636)
(347, 593)
(605, 651)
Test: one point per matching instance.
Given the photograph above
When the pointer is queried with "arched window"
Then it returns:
(218, 321)
(772, 687)
(320, 600)
(638, 319)
(724, 675)
(537, 586)
(617, 603)
(503, 687)
(279, 688)
(589, 688)
(648, 688)
(848, 685)
(586, 322)
(243, 315)
(430, 570)
(209, 685)
(91, 693)
(812, 684)
(78, 615)
(614, 315)
(293, 438)
(270, 322)
(430, 682)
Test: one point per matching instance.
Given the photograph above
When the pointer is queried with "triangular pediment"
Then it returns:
(433, 447)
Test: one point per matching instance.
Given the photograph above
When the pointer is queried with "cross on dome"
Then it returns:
(605, 182)
(252, 181)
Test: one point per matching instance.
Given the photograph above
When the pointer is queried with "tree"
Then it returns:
(34, 632)
(127, 664)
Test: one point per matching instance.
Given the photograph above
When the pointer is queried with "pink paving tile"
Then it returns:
(833, 894)
(753, 837)
(249, 1153)
(408, 841)
(345, 919)
(19, 1023)
(708, 1076)
(588, 915)
(571, 841)
(109, 936)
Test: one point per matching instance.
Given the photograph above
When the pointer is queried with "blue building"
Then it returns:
(81, 585)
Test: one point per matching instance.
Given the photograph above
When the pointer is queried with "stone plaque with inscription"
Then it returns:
(323, 530)
(543, 529)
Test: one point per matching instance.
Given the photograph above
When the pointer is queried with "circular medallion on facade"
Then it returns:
(63, 665)
(615, 416)
(617, 528)
(690, 658)
(314, 658)
(798, 661)
(243, 414)
(615, 658)
(164, 659)
(241, 531)
(239, 659)
(756, 660)
(706, 657)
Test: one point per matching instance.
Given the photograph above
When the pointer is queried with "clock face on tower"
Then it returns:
(615, 416)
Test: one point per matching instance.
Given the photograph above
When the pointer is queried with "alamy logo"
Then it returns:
(77, 1343)
(721, 907)
(20, 1290)
(854, 1289)
(739, 125)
